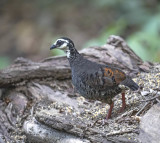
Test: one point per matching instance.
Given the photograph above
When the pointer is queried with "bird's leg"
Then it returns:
(110, 111)
(123, 102)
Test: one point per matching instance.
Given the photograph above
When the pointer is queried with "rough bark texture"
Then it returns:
(150, 127)
(38, 97)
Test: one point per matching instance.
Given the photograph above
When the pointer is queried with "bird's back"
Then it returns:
(93, 80)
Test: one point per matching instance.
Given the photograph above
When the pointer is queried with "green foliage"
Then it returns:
(113, 29)
(4, 62)
(137, 21)
(146, 41)
(57, 52)
(144, 27)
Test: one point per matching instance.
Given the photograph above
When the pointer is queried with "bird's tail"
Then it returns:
(130, 83)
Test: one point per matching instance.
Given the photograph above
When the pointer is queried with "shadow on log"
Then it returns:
(38, 103)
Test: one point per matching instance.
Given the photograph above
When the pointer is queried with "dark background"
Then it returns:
(29, 27)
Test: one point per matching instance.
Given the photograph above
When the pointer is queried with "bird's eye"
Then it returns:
(59, 42)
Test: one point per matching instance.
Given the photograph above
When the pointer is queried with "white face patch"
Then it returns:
(64, 45)
(68, 53)
(65, 41)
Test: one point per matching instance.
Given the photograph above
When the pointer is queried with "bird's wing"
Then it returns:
(105, 77)
(115, 74)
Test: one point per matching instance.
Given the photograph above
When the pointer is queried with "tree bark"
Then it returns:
(40, 99)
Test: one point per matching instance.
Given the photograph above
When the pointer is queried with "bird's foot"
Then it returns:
(122, 108)
(101, 122)
(108, 116)
(110, 111)
(105, 122)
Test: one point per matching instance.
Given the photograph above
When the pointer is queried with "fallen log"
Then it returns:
(41, 100)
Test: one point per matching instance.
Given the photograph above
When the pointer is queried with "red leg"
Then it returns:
(123, 102)
(110, 111)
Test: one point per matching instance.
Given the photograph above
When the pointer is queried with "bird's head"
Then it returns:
(64, 44)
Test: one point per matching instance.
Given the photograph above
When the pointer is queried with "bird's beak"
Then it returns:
(53, 47)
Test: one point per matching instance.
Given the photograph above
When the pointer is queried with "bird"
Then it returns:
(93, 80)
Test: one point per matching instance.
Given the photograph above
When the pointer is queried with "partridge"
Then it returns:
(95, 81)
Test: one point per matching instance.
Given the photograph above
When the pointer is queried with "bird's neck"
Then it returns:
(73, 55)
